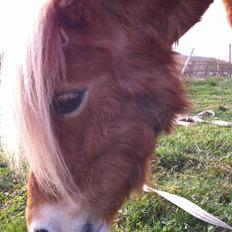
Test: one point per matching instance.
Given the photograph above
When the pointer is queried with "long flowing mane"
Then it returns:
(27, 127)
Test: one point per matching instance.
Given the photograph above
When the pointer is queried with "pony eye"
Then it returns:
(67, 103)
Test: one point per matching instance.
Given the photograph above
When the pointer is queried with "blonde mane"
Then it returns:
(27, 88)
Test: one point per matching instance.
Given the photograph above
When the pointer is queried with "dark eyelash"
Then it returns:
(66, 103)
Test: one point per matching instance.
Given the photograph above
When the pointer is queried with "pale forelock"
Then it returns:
(27, 89)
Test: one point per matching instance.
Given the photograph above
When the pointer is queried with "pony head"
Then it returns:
(96, 85)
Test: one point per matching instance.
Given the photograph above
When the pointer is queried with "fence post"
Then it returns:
(229, 53)
(186, 62)
(206, 69)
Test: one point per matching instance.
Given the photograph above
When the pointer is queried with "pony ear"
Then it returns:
(181, 16)
(228, 6)
(76, 13)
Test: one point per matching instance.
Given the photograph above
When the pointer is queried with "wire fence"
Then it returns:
(205, 67)
(196, 67)
(201, 70)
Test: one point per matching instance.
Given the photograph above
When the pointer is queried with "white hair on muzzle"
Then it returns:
(27, 87)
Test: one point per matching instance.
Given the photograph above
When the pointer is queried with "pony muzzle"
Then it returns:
(63, 217)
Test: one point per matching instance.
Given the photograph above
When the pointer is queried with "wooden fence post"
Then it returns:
(186, 62)
(229, 53)
(206, 70)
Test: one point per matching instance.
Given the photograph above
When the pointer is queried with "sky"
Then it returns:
(15, 21)
(211, 37)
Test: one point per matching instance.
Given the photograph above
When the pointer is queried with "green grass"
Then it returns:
(12, 201)
(194, 162)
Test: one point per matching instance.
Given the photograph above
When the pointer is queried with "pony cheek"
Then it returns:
(119, 171)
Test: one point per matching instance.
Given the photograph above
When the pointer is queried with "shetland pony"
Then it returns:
(96, 85)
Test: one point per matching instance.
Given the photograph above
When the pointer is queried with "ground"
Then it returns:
(194, 162)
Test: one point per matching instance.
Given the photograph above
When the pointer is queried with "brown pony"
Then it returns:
(96, 85)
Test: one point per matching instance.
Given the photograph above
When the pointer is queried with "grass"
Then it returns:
(194, 162)
(12, 201)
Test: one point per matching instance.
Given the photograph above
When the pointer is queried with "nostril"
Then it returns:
(88, 228)
(41, 230)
